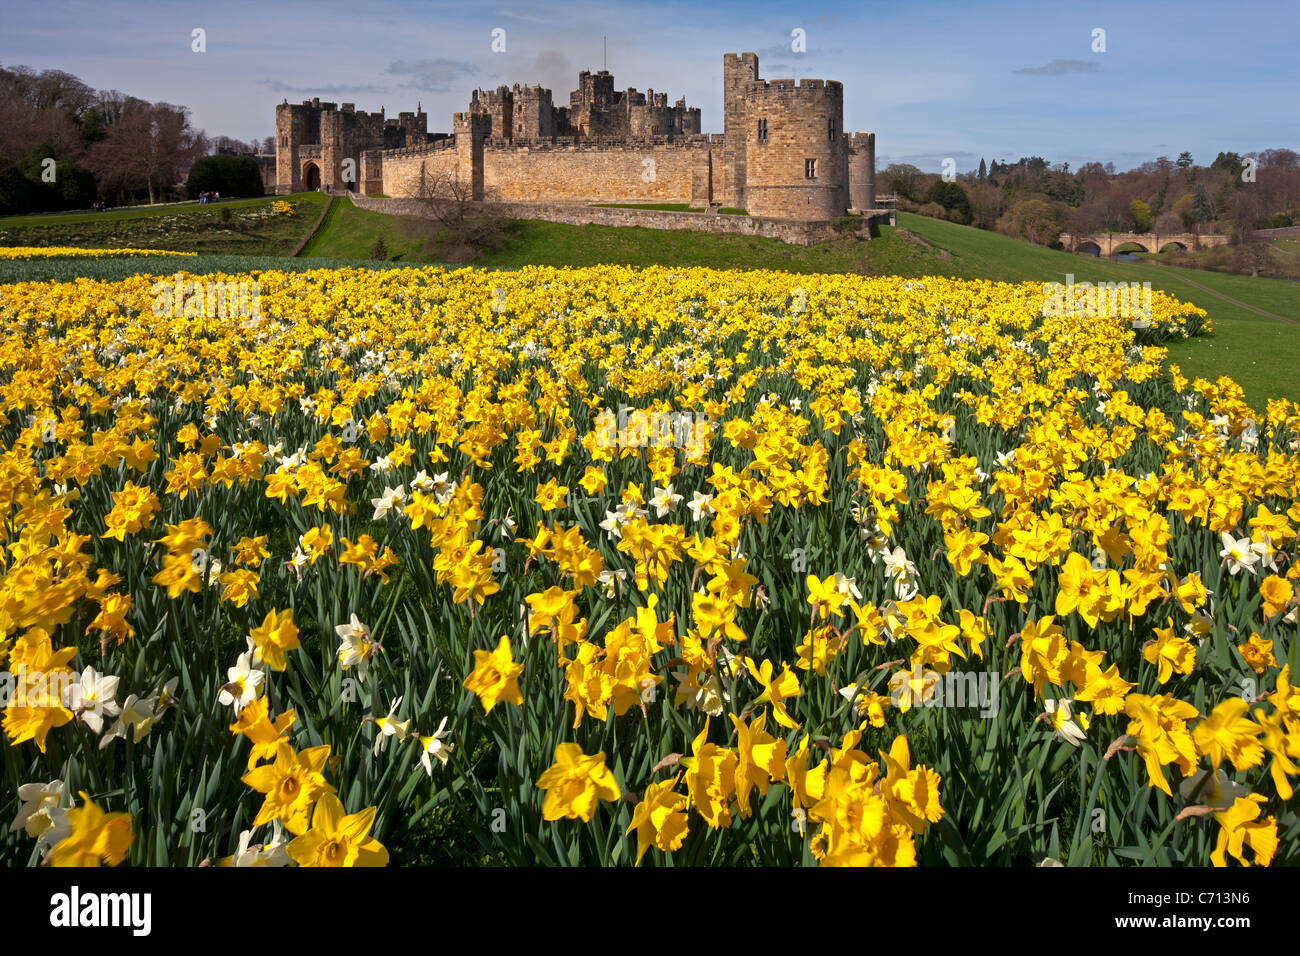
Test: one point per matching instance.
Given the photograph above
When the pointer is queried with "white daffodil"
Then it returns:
(298, 560)
(422, 482)
(508, 524)
(1069, 726)
(137, 716)
(664, 501)
(1217, 791)
(390, 499)
(1264, 551)
(390, 726)
(611, 524)
(700, 505)
(1238, 553)
(434, 746)
(243, 681)
(902, 572)
(358, 649)
(92, 699)
(252, 854)
(40, 814)
(707, 697)
(847, 586)
(612, 580)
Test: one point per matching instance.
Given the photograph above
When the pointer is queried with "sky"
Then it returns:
(934, 79)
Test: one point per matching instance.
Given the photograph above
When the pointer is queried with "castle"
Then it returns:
(783, 152)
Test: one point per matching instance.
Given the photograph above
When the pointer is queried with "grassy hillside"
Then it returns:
(1257, 321)
(350, 233)
(1262, 352)
(254, 227)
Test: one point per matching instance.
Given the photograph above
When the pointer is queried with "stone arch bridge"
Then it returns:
(1106, 243)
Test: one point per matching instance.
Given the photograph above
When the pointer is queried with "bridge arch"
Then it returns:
(1132, 245)
(1172, 244)
(1087, 247)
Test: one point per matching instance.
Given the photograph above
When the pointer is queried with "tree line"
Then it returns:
(65, 145)
(1034, 200)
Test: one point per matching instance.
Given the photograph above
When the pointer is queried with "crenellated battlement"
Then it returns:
(783, 152)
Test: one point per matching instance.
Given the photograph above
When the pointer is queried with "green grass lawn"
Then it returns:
(350, 233)
(254, 228)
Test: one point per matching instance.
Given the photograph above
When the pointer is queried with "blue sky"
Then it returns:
(933, 79)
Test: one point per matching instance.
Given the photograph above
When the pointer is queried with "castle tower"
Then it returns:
(290, 133)
(471, 129)
(739, 70)
(796, 154)
(534, 114)
(862, 171)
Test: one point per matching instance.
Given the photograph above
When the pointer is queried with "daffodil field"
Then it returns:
(620, 566)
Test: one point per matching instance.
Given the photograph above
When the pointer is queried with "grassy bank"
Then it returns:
(253, 227)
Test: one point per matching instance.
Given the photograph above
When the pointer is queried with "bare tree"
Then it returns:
(466, 226)
(147, 148)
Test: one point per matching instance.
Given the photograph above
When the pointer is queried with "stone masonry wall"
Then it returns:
(587, 173)
(799, 233)
(401, 168)
(653, 173)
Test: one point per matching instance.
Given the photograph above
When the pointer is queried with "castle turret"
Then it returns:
(796, 153)
(862, 172)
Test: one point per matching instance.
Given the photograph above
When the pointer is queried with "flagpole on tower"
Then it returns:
(604, 55)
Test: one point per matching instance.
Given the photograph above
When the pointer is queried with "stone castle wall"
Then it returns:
(783, 155)
(800, 233)
(652, 173)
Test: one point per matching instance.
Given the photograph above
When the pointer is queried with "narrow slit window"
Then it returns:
(762, 131)
(810, 168)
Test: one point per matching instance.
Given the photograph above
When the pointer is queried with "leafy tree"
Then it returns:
(1032, 219)
(1184, 160)
(1142, 218)
(18, 194)
(1232, 162)
(226, 173)
(953, 199)
(1202, 206)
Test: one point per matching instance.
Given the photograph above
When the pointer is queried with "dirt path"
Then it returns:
(1237, 302)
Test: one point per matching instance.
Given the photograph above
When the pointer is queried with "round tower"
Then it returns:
(862, 171)
(796, 153)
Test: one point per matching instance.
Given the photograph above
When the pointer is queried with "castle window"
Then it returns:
(762, 131)
(830, 129)
(810, 169)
